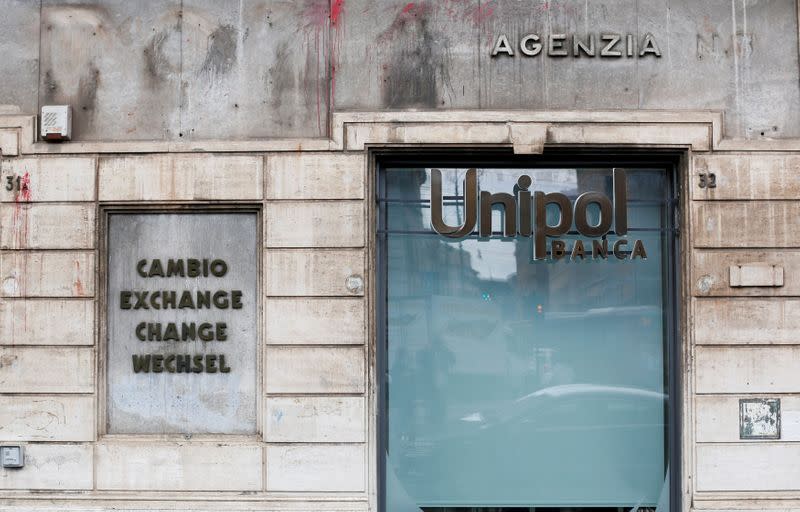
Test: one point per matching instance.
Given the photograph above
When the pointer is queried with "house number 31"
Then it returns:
(12, 184)
(707, 180)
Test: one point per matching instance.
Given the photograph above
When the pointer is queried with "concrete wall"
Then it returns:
(228, 69)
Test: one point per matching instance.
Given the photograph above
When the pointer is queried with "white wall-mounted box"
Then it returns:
(56, 122)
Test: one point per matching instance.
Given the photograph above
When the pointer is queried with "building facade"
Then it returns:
(351, 255)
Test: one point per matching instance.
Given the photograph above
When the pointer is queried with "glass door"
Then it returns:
(516, 379)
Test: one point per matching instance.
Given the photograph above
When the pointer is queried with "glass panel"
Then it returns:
(514, 383)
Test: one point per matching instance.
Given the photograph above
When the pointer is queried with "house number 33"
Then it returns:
(707, 180)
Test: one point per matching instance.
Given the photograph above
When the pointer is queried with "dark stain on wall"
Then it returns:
(87, 89)
(221, 54)
(156, 63)
(280, 75)
(50, 89)
(412, 76)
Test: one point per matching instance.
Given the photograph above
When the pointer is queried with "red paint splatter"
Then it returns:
(24, 192)
(409, 6)
(78, 283)
(321, 23)
(482, 13)
(19, 224)
(19, 220)
(337, 7)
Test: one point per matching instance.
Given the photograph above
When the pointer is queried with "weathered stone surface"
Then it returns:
(52, 466)
(717, 418)
(180, 177)
(315, 224)
(47, 418)
(51, 226)
(315, 370)
(745, 73)
(359, 135)
(309, 321)
(312, 273)
(748, 176)
(9, 142)
(254, 69)
(316, 468)
(46, 322)
(747, 369)
(315, 176)
(315, 419)
(46, 370)
(81, 47)
(723, 321)
(207, 70)
(19, 45)
(46, 274)
(697, 136)
(711, 272)
(50, 179)
(196, 69)
(745, 224)
(196, 466)
(748, 467)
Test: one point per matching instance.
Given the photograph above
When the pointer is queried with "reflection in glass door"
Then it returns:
(514, 384)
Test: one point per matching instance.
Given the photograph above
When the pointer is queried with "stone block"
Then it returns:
(162, 466)
(309, 321)
(748, 467)
(315, 370)
(47, 418)
(312, 272)
(737, 370)
(316, 468)
(180, 178)
(316, 176)
(748, 176)
(52, 467)
(717, 418)
(9, 142)
(745, 224)
(723, 321)
(711, 272)
(50, 226)
(47, 274)
(46, 370)
(315, 224)
(50, 179)
(315, 419)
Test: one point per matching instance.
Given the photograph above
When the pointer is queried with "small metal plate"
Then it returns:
(12, 456)
(760, 418)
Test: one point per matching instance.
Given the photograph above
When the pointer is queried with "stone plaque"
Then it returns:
(182, 323)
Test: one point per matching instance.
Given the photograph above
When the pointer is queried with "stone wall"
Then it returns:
(316, 447)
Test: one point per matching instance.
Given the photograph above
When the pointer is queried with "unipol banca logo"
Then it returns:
(525, 214)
